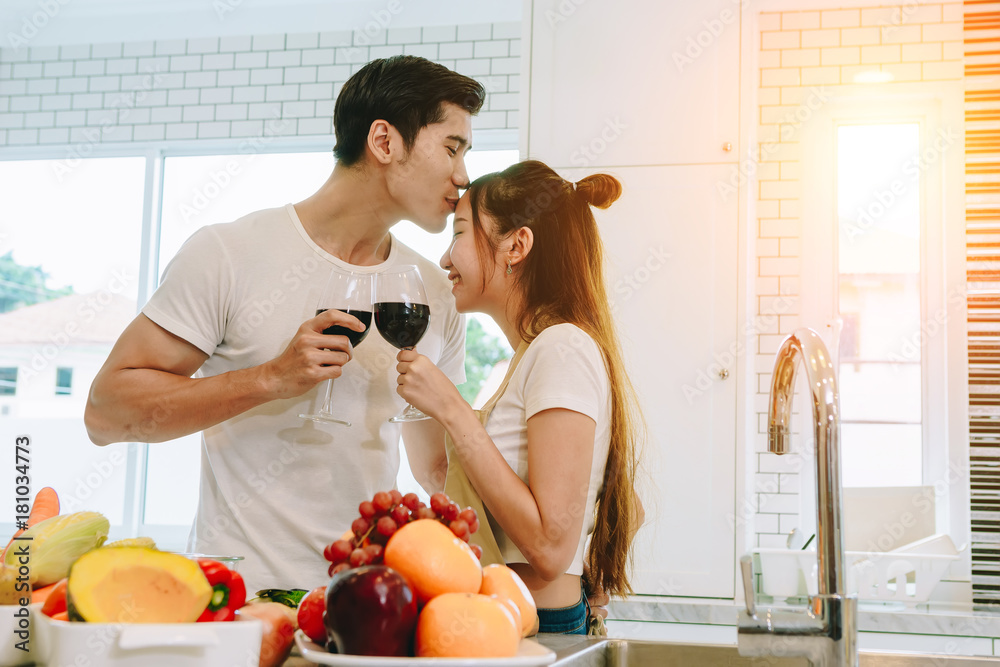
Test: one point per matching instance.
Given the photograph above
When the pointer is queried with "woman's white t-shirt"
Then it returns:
(562, 368)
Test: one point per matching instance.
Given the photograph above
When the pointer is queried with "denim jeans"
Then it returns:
(571, 620)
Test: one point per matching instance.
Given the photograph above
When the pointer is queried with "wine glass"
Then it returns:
(402, 316)
(349, 292)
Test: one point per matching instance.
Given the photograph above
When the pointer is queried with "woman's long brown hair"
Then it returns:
(561, 280)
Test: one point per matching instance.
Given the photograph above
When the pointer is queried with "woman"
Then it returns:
(556, 460)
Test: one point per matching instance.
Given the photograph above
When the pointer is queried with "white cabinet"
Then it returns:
(672, 247)
(618, 86)
(633, 83)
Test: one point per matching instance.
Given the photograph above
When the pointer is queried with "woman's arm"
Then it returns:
(426, 454)
(544, 517)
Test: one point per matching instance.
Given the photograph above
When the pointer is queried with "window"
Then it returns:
(884, 285)
(70, 239)
(8, 381)
(64, 381)
(879, 302)
(73, 279)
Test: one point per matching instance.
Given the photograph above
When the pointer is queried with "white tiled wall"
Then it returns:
(801, 50)
(225, 87)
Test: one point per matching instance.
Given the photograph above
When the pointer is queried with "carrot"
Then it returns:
(46, 506)
(42, 594)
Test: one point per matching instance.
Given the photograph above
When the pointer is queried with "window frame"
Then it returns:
(68, 389)
(3, 386)
(170, 536)
(943, 349)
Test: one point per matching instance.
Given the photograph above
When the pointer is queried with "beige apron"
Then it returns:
(457, 485)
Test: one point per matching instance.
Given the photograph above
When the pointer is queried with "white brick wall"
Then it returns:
(799, 50)
(211, 88)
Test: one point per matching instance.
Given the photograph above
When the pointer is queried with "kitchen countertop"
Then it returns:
(929, 618)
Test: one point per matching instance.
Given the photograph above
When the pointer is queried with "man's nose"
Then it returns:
(461, 176)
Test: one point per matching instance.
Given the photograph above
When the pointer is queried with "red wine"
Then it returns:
(402, 324)
(356, 336)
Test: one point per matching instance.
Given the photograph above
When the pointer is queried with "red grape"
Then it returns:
(478, 550)
(411, 501)
(400, 515)
(474, 526)
(366, 509)
(460, 528)
(426, 513)
(468, 515)
(382, 502)
(396, 497)
(337, 567)
(359, 557)
(438, 502)
(338, 551)
(360, 526)
(374, 552)
(450, 512)
(386, 526)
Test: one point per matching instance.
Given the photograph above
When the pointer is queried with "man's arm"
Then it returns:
(145, 392)
(425, 450)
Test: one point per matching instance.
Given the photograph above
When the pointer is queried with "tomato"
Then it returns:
(311, 612)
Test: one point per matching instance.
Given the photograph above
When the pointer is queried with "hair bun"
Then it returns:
(600, 190)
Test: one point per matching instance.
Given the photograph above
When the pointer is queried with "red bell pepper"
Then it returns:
(229, 593)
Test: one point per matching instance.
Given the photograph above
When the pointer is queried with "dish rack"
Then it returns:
(908, 574)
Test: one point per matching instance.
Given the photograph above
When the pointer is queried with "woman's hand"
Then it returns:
(596, 596)
(424, 386)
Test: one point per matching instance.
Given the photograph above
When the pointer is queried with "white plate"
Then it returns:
(529, 654)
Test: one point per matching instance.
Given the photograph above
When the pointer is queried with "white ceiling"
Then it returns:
(97, 21)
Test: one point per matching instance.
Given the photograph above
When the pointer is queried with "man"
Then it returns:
(274, 487)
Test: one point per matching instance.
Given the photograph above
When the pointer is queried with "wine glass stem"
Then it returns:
(328, 403)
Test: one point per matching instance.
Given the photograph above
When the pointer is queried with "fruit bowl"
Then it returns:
(530, 654)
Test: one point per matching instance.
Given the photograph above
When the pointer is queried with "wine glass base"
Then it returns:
(409, 414)
(325, 418)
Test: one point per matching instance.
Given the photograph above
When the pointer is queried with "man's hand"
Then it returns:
(312, 356)
(145, 392)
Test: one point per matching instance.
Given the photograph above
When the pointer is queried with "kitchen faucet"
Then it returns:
(827, 633)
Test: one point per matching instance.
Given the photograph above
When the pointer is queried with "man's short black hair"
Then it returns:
(406, 91)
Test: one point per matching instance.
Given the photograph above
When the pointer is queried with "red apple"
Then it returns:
(370, 610)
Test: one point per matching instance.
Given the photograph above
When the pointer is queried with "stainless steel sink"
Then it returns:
(591, 652)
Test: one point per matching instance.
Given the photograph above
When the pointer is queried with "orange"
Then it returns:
(433, 560)
(467, 625)
(504, 582)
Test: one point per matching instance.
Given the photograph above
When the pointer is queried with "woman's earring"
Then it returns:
(509, 270)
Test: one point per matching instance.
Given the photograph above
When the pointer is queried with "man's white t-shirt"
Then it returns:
(562, 368)
(275, 488)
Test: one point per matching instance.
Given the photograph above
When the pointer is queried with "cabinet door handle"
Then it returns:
(724, 373)
(728, 146)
